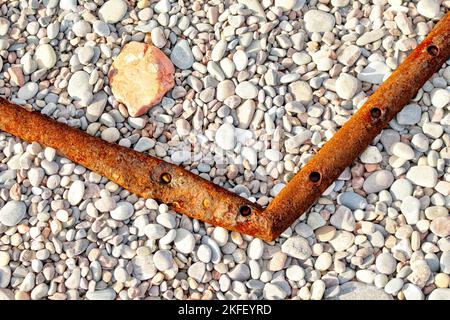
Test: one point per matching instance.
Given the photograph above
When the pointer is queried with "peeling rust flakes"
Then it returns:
(206, 203)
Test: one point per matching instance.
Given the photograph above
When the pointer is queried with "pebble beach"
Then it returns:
(260, 87)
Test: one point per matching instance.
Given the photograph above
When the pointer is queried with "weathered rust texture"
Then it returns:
(139, 173)
(360, 130)
(190, 194)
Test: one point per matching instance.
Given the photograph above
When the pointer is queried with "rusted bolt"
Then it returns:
(245, 211)
(165, 178)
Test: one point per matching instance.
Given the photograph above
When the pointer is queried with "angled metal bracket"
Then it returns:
(198, 198)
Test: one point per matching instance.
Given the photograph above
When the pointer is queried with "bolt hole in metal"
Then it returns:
(433, 50)
(165, 178)
(375, 114)
(315, 176)
(245, 211)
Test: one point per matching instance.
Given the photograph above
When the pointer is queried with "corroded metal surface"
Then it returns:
(190, 194)
(141, 174)
(360, 130)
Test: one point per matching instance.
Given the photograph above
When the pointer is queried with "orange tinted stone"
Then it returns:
(140, 77)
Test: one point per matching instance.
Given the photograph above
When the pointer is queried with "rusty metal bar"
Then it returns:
(198, 198)
(360, 130)
(141, 174)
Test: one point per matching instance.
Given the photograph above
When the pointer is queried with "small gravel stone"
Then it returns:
(143, 267)
(371, 155)
(428, 8)
(204, 253)
(412, 292)
(342, 240)
(394, 286)
(369, 37)
(112, 11)
(45, 56)
(302, 91)
(432, 130)
(197, 271)
(101, 28)
(225, 89)
(4, 258)
(295, 273)
(255, 249)
(181, 55)
(401, 188)
(442, 280)
(349, 55)
(163, 260)
(402, 150)
(346, 86)
(6, 294)
(420, 273)
(377, 181)
(104, 294)
(76, 192)
(424, 176)
(12, 213)
(35, 175)
(245, 113)
(385, 263)
(158, 37)
(323, 261)
(297, 247)
(317, 290)
(123, 211)
(218, 50)
(273, 292)
(441, 226)
(409, 115)
(444, 262)
(184, 241)
(111, 134)
(325, 233)
(440, 98)
(440, 294)
(273, 155)
(225, 137)
(163, 6)
(375, 72)
(246, 90)
(410, 208)
(359, 291)
(352, 200)
(154, 231)
(343, 219)
(79, 87)
(144, 144)
(220, 235)
(240, 272)
(28, 91)
(318, 21)
(240, 60)
(85, 54)
(81, 28)
(39, 292)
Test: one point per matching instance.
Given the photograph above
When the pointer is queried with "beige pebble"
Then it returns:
(442, 280)
(325, 233)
